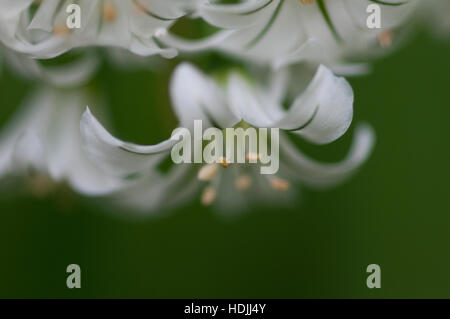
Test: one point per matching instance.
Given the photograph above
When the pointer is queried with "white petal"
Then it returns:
(115, 156)
(28, 152)
(245, 102)
(321, 114)
(13, 7)
(173, 41)
(326, 109)
(43, 18)
(156, 195)
(238, 15)
(29, 121)
(310, 172)
(67, 75)
(196, 97)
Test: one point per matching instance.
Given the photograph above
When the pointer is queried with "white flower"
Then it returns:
(67, 75)
(321, 113)
(289, 31)
(43, 139)
(39, 28)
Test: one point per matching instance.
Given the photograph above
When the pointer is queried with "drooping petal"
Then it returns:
(321, 114)
(27, 153)
(44, 136)
(299, 167)
(115, 156)
(29, 123)
(43, 18)
(155, 195)
(67, 75)
(327, 107)
(197, 97)
(129, 24)
(185, 45)
(235, 16)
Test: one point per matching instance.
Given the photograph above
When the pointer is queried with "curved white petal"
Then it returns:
(43, 18)
(310, 172)
(67, 75)
(173, 41)
(45, 136)
(156, 195)
(115, 156)
(328, 106)
(287, 31)
(197, 97)
(28, 152)
(234, 16)
(321, 114)
(127, 24)
(30, 120)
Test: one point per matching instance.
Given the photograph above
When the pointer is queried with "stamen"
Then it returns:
(208, 172)
(279, 184)
(140, 7)
(307, 1)
(41, 186)
(385, 38)
(61, 30)
(224, 162)
(243, 182)
(252, 157)
(208, 196)
(109, 13)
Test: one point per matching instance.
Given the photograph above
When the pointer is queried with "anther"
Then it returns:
(243, 182)
(385, 38)
(109, 13)
(208, 196)
(208, 172)
(279, 184)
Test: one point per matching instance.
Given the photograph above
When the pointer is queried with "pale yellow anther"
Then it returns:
(224, 162)
(208, 172)
(41, 186)
(279, 184)
(109, 12)
(307, 1)
(252, 157)
(208, 196)
(243, 182)
(140, 7)
(385, 38)
(61, 29)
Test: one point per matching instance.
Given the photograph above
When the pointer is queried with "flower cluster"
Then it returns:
(291, 56)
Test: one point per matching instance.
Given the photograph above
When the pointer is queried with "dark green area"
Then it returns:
(394, 213)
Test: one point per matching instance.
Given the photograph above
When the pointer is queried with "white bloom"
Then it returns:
(66, 75)
(39, 28)
(321, 113)
(44, 138)
(288, 31)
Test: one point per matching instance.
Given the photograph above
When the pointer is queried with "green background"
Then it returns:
(394, 212)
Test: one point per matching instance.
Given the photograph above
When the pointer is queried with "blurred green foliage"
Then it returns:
(394, 212)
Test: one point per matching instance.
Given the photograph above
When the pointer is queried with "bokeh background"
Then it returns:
(395, 212)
